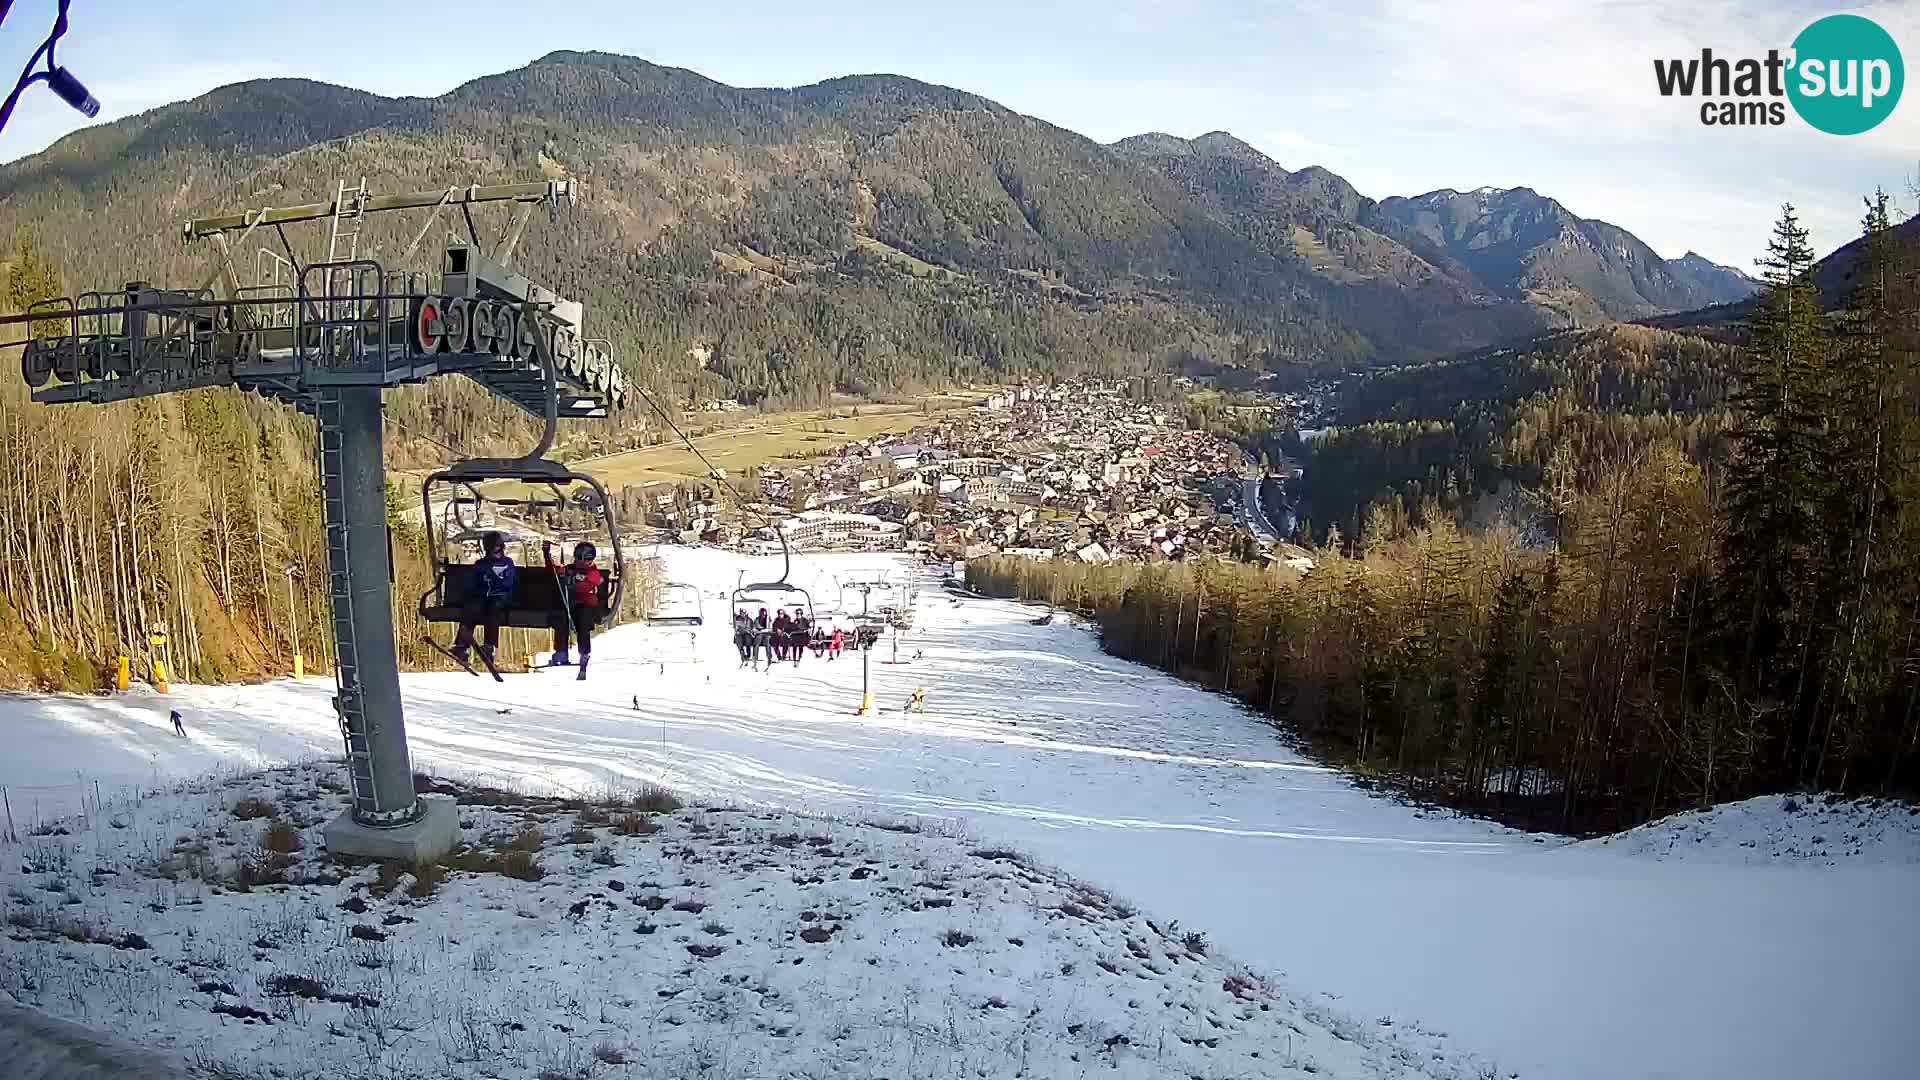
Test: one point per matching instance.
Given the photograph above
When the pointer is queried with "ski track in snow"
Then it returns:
(1546, 959)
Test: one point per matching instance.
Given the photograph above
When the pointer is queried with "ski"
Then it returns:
(451, 655)
(487, 659)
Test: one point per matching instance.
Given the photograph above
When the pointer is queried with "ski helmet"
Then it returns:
(584, 552)
(493, 543)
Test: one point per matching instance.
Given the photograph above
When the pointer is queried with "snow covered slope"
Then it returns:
(1780, 828)
(1547, 959)
(726, 945)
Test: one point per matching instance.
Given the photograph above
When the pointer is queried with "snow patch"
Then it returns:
(1822, 829)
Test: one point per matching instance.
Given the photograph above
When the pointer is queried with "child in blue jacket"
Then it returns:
(489, 595)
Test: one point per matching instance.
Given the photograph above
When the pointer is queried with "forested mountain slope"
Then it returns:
(1594, 576)
(866, 234)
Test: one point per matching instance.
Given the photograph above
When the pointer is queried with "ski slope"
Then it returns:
(1545, 959)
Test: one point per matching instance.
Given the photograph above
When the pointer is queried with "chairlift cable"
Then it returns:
(421, 435)
(786, 555)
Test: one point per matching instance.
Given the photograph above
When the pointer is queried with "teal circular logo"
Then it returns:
(1846, 75)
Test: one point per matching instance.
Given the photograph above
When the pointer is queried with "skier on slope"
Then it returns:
(489, 593)
(583, 602)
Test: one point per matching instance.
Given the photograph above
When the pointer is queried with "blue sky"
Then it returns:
(1398, 97)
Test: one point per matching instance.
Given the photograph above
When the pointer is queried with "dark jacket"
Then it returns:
(493, 578)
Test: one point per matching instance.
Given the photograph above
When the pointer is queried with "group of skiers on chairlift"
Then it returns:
(490, 589)
(783, 636)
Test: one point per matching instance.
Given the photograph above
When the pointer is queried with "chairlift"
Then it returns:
(537, 601)
(775, 595)
(677, 605)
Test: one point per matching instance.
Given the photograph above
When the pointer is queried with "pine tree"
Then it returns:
(31, 280)
(1769, 553)
(1870, 574)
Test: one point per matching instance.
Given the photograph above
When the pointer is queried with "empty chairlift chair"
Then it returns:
(677, 605)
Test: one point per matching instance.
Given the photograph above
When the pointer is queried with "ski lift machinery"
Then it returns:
(895, 606)
(331, 339)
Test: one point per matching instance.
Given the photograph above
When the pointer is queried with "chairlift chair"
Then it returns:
(678, 605)
(537, 601)
(770, 594)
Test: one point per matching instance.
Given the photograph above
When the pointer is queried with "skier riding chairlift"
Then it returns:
(583, 603)
(489, 593)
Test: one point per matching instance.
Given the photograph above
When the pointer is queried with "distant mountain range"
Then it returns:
(869, 233)
(1496, 244)
(1835, 277)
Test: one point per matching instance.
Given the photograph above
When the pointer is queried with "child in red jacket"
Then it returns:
(580, 592)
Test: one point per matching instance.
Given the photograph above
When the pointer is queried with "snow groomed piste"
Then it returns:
(1657, 956)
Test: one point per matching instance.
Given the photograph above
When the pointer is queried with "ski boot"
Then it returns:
(583, 668)
(560, 659)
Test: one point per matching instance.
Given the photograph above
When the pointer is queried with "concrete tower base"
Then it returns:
(425, 840)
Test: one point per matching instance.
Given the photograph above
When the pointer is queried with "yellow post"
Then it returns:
(157, 639)
(299, 666)
(866, 703)
(120, 673)
(526, 661)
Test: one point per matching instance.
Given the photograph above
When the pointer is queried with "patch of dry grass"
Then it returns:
(253, 807)
(426, 880)
(281, 838)
(254, 872)
(521, 865)
(771, 438)
(634, 825)
(654, 799)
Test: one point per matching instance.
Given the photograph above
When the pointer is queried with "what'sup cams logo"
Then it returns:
(1843, 75)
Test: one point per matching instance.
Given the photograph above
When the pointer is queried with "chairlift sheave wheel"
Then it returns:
(36, 364)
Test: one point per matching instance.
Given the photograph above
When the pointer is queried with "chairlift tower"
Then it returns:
(330, 339)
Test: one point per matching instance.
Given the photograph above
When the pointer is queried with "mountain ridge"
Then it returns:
(1511, 242)
(949, 237)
